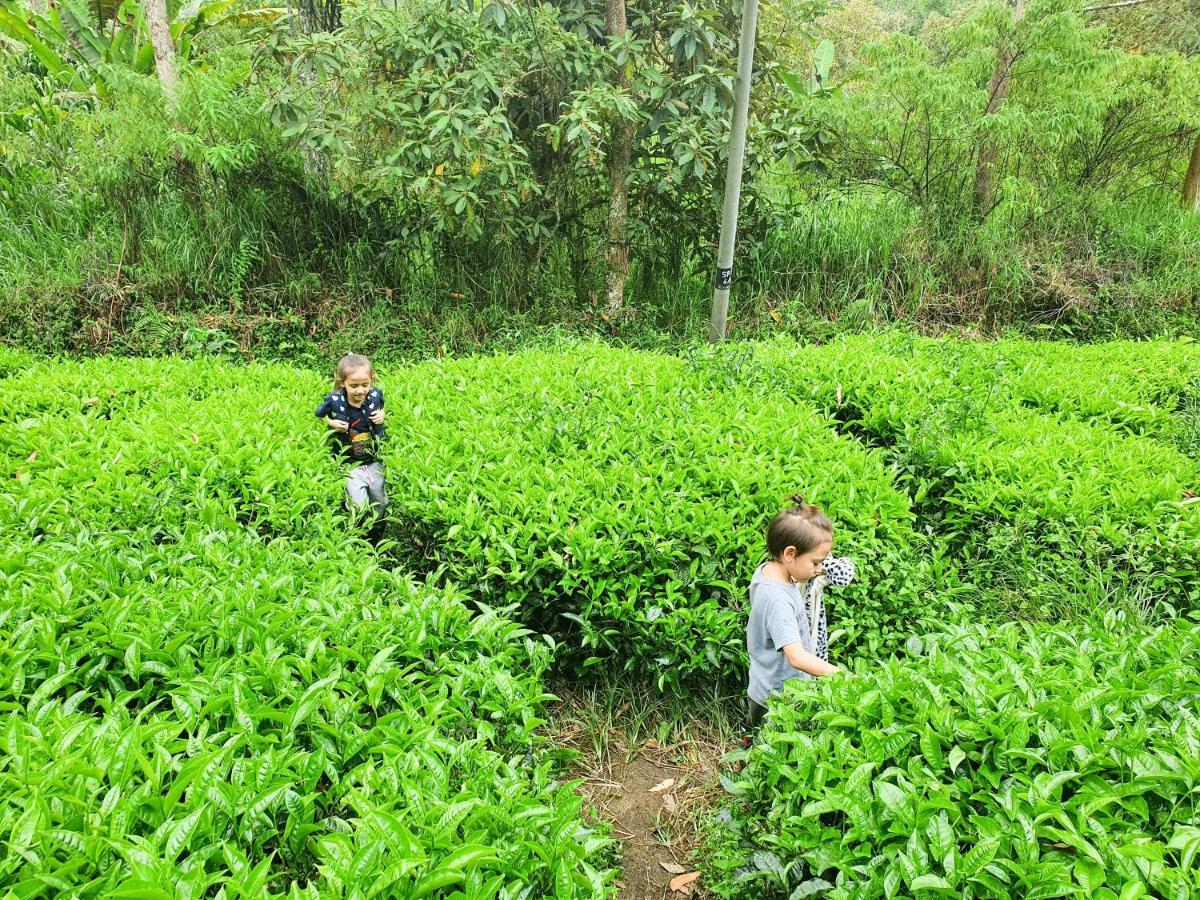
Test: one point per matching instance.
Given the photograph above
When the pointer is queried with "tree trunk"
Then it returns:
(620, 152)
(164, 49)
(1191, 182)
(985, 162)
(321, 15)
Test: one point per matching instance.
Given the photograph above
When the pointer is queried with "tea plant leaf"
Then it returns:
(931, 882)
(810, 888)
(1187, 839)
(181, 833)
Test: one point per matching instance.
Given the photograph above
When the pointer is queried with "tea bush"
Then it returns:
(620, 498)
(1013, 761)
(212, 711)
(617, 498)
(127, 443)
(1140, 386)
(1042, 512)
(12, 360)
(210, 684)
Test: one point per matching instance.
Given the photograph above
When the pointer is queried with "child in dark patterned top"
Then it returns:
(353, 411)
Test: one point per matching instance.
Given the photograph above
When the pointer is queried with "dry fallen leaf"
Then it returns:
(669, 804)
(674, 868)
(679, 882)
(31, 457)
(661, 786)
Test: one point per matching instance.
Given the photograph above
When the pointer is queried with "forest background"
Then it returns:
(444, 176)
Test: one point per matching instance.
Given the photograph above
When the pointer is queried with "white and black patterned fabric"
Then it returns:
(839, 570)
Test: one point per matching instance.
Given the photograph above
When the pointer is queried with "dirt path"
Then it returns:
(655, 795)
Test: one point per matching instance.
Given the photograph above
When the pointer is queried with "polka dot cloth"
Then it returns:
(839, 570)
(823, 637)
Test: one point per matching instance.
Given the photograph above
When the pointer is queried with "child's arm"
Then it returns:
(325, 411)
(799, 658)
(788, 633)
(375, 399)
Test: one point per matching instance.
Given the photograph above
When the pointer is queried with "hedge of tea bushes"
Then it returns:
(216, 712)
(1142, 387)
(156, 443)
(210, 683)
(13, 360)
(1042, 510)
(620, 499)
(1014, 761)
(616, 498)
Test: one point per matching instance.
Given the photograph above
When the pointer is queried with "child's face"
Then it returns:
(357, 384)
(807, 565)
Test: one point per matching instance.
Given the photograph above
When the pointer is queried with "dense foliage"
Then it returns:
(1012, 761)
(441, 173)
(1058, 478)
(210, 683)
(620, 498)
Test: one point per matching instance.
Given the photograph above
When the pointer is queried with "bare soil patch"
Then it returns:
(655, 794)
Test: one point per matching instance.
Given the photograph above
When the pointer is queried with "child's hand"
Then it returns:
(376, 417)
(337, 424)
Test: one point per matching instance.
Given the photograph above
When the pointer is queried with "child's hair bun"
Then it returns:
(800, 525)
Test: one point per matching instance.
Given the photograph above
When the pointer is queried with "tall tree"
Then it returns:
(1160, 25)
(620, 152)
(1191, 182)
(164, 49)
(1006, 55)
(320, 15)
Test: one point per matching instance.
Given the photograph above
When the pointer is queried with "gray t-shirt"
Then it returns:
(778, 616)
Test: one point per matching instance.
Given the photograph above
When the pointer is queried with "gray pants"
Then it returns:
(365, 485)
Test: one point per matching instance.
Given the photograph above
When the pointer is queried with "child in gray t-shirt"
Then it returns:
(787, 636)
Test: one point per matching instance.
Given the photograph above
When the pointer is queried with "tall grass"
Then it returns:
(151, 254)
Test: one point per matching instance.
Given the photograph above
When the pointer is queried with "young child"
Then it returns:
(786, 635)
(354, 412)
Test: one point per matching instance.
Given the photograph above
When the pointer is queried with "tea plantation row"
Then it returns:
(211, 684)
(1010, 761)
(1058, 478)
(212, 688)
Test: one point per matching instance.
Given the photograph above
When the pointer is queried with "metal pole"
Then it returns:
(733, 175)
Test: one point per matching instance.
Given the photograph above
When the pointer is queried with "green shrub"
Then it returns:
(1018, 761)
(620, 499)
(13, 361)
(202, 710)
(157, 443)
(1143, 387)
(210, 682)
(1042, 513)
